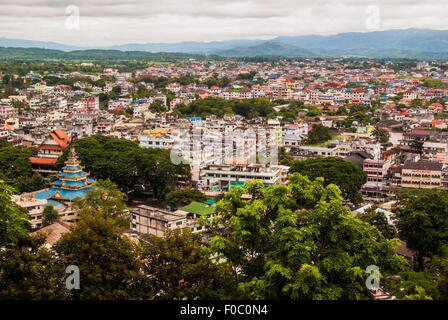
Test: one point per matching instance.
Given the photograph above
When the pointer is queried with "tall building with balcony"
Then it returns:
(422, 174)
(228, 175)
(376, 171)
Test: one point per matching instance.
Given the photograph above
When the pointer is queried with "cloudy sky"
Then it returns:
(107, 22)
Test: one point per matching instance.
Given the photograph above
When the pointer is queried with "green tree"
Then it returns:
(422, 220)
(416, 103)
(378, 219)
(29, 271)
(13, 219)
(50, 215)
(179, 267)
(157, 106)
(105, 196)
(116, 90)
(440, 269)
(313, 112)
(284, 158)
(318, 134)
(128, 165)
(381, 134)
(108, 261)
(297, 242)
(20, 105)
(16, 169)
(344, 174)
(183, 197)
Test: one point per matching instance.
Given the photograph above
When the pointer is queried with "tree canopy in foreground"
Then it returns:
(346, 175)
(297, 242)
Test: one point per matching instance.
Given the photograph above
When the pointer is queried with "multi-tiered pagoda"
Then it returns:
(73, 182)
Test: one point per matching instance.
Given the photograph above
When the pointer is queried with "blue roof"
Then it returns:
(56, 204)
(65, 193)
(73, 194)
(44, 194)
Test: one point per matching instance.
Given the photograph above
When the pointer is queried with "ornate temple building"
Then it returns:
(73, 182)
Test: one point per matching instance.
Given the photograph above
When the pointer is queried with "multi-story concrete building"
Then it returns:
(433, 149)
(422, 174)
(414, 140)
(156, 221)
(155, 139)
(228, 175)
(35, 208)
(376, 171)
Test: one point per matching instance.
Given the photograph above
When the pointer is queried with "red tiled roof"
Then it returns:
(60, 137)
(389, 152)
(36, 160)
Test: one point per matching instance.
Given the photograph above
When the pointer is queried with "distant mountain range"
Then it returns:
(409, 43)
(17, 43)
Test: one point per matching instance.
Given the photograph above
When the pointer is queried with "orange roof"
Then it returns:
(7, 127)
(60, 137)
(36, 160)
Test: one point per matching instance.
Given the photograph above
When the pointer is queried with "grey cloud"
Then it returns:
(106, 22)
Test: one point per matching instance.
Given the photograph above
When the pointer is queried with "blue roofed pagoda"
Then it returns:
(72, 182)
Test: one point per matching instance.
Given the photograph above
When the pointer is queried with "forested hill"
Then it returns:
(94, 54)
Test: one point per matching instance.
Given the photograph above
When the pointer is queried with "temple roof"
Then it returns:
(71, 184)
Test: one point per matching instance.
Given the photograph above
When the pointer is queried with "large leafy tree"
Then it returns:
(108, 261)
(104, 196)
(378, 219)
(318, 134)
(126, 164)
(13, 219)
(429, 283)
(29, 271)
(16, 169)
(284, 158)
(346, 175)
(422, 220)
(248, 108)
(297, 242)
(178, 266)
(381, 134)
(440, 269)
(50, 215)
